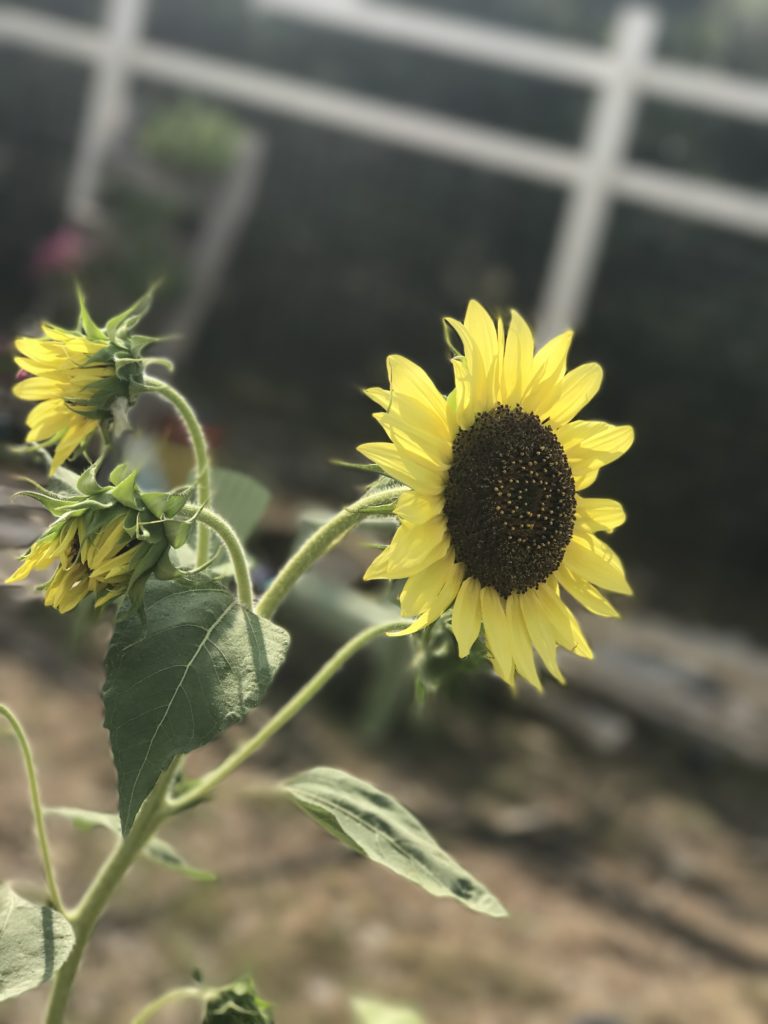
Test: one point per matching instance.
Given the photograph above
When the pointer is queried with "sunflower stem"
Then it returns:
(88, 911)
(235, 550)
(199, 447)
(174, 996)
(375, 503)
(282, 717)
(37, 808)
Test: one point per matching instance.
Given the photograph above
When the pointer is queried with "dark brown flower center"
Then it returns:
(510, 500)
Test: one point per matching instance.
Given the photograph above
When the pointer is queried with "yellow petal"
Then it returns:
(466, 618)
(591, 559)
(576, 389)
(406, 378)
(422, 588)
(547, 373)
(594, 437)
(413, 442)
(418, 508)
(381, 396)
(412, 549)
(586, 594)
(32, 389)
(518, 360)
(476, 373)
(601, 513)
(75, 435)
(496, 627)
(540, 632)
(563, 622)
(394, 464)
(520, 640)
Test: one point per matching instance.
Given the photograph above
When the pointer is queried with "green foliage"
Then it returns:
(157, 850)
(238, 1003)
(192, 135)
(240, 499)
(372, 1011)
(34, 943)
(193, 664)
(375, 825)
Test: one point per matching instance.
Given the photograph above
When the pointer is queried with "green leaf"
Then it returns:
(372, 1011)
(34, 943)
(193, 664)
(240, 499)
(156, 850)
(238, 1003)
(377, 826)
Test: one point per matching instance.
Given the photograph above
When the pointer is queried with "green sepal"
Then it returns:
(119, 326)
(177, 532)
(164, 568)
(87, 325)
(125, 491)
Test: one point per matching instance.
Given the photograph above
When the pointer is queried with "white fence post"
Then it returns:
(106, 106)
(580, 234)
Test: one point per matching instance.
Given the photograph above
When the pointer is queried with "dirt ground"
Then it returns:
(636, 885)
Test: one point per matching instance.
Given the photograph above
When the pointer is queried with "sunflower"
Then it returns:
(104, 541)
(78, 378)
(495, 525)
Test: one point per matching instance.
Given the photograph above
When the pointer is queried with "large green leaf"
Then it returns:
(156, 850)
(34, 943)
(195, 662)
(372, 1011)
(377, 826)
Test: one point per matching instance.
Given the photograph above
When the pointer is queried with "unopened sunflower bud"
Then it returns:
(105, 542)
(81, 380)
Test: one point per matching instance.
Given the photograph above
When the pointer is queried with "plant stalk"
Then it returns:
(235, 550)
(174, 996)
(199, 447)
(282, 717)
(322, 540)
(88, 911)
(37, 809)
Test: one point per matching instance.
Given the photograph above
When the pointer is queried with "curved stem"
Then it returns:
(89, 909)
(235, 550)
(37, 808)
(375, 503)
(175, 995)
(283, 716)
(200, 448)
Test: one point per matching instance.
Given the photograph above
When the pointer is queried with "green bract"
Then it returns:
(106, 540)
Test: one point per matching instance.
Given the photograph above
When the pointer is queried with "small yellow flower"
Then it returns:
(105, 541)
(73, 387)
(100, 562)
(78, 378)
(495, 524)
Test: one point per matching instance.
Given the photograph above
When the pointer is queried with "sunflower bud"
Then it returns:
(79, 379)
(105, 541)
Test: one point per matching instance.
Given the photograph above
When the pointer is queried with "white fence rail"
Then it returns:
(594, 175)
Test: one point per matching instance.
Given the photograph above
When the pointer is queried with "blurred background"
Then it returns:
(318, 182)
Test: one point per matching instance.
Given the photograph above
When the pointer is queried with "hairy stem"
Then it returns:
(234, 547)
(282, 717)
(174, 996)
(37, 808)
(375, 503)
(200, 449)
(89, 909)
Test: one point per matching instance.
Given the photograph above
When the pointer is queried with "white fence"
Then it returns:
(594, 175)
